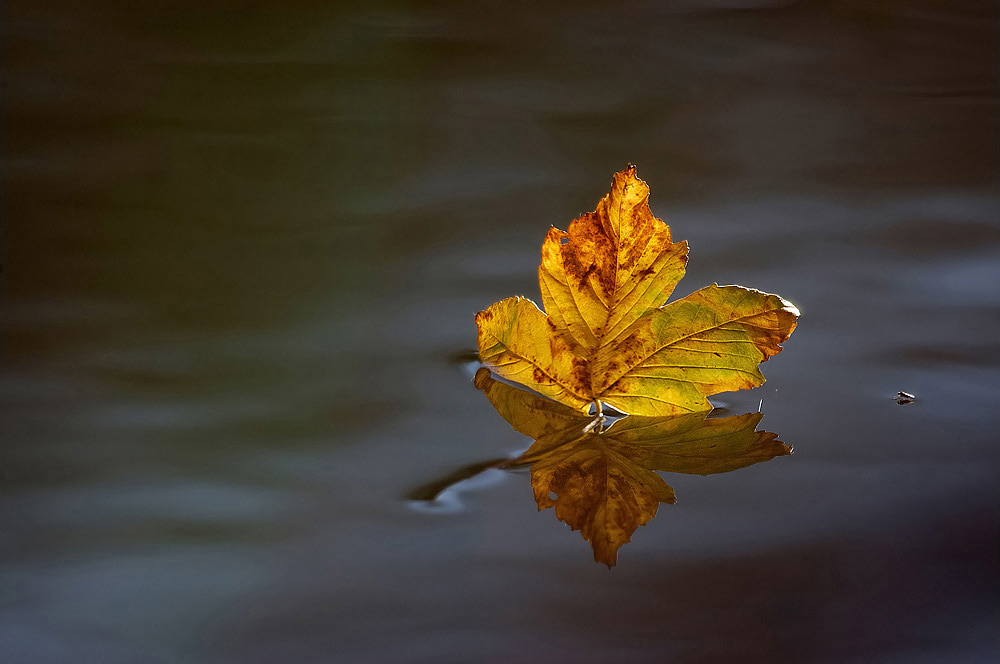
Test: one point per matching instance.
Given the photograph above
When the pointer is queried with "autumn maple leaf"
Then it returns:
(608, 337)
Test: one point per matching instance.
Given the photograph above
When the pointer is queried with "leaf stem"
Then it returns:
(597, 424)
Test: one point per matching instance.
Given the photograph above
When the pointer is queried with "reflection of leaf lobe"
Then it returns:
(604, 483)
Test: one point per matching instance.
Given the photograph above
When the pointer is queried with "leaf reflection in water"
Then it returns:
(604, 483)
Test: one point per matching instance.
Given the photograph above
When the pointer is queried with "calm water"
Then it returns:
(243, 249)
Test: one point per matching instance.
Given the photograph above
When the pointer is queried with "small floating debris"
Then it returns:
(904, 397)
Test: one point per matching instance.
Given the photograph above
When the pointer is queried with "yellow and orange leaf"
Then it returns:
(607, 336)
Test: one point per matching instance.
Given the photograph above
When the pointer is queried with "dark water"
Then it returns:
(244, 246)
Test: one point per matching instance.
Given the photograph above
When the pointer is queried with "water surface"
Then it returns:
(244, 250)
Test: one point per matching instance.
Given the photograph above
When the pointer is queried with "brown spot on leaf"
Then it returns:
(581, 374)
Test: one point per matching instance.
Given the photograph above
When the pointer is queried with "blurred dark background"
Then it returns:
(243, 245)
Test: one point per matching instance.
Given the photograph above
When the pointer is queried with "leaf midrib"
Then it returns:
(687, 336)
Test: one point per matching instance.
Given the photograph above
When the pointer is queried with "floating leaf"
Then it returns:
(603, 483)
(608, 337)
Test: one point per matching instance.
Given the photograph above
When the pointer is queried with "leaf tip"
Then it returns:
(628, 176)
(790, 308)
